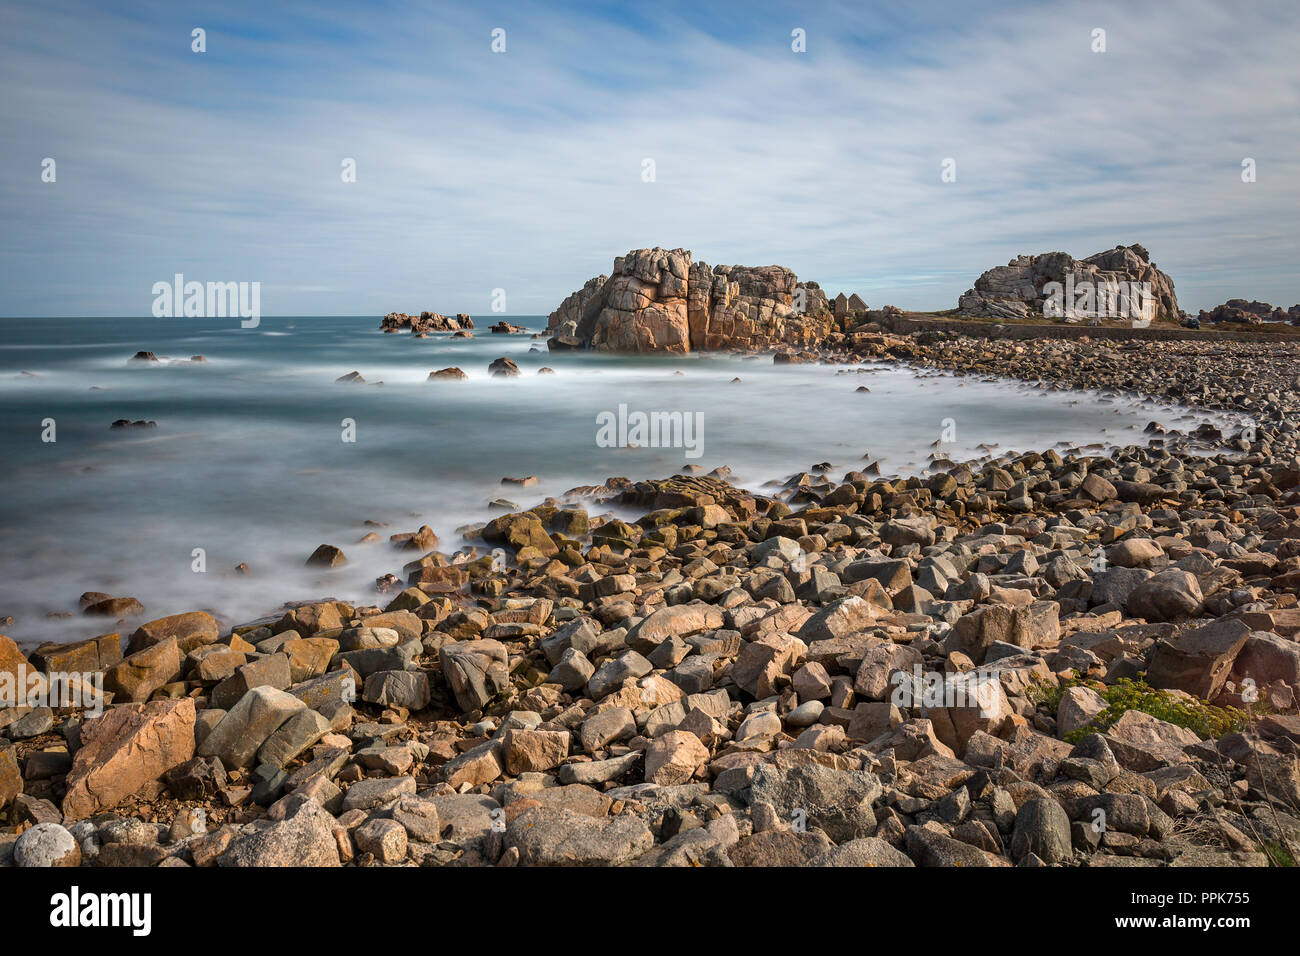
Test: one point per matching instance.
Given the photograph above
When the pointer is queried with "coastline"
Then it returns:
(742, 651)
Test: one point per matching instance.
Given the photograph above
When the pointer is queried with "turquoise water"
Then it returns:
(248, 463)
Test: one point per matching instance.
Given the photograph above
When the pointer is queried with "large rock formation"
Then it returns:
(1017, 290)
(662, 300)
(425, 322)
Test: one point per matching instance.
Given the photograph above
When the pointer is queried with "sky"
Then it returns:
(525, 170)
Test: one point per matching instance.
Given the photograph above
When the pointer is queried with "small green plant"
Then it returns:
(1205, 720)
(1042, 694)
(1277, 853)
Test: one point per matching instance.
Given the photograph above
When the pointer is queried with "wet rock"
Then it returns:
(118, 607)
(327, 556)
(451, 374)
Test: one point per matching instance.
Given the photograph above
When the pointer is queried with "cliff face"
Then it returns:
(1018, 289)
(658, 300)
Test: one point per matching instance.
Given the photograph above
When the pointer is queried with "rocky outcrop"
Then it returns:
(425, 322)
(574, 304)
(659, 300)
(1019, 290)
(1239, 310)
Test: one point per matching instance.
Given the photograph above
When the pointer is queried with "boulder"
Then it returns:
(137, 676)
(1171, 594)
(125, 749)
(841, 618)
(1141, 742)
(476, 671)
(247, 725)
(674, 758)
(534, 751)
(837, 801)
(867, 851)
(545, 836)
(305, 837)
(1043, 829)
(190, 630)
(451, 374)
(1198, 661)
(47, 845)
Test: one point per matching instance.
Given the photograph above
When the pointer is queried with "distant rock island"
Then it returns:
(1251, 313)
(426, 322)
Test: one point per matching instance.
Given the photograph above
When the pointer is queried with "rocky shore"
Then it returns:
(1055, 658)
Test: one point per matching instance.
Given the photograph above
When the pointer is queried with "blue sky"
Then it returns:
(523, 170)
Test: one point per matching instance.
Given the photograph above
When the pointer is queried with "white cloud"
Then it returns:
(522, 171)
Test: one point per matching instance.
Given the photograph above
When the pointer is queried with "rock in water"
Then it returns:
(451, 374)
(327, 556)
(660, 300)
(503, 368)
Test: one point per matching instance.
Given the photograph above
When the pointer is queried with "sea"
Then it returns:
(259, 454)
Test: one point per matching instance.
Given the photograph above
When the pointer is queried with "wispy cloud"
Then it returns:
(522, 170)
